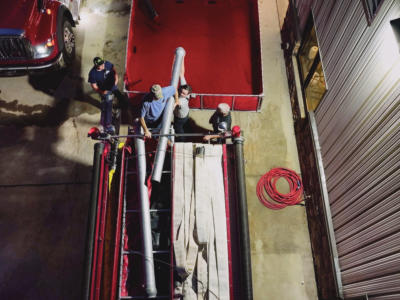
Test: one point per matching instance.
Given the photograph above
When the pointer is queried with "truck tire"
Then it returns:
(68, 48)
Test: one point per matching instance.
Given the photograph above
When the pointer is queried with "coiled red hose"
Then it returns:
(267, 183)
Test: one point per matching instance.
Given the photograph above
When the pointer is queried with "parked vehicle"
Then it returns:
(37, 34)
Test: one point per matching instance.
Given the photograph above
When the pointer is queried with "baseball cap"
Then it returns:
(157, 91)
(98, 61)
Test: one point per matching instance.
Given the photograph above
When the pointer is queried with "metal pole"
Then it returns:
(167, 117)
(245, 257)
(98, 151)
(147, 245)
(110, 137)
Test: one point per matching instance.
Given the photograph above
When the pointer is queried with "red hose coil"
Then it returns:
(267, 183)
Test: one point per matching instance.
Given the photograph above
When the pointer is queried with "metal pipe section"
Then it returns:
(167, 118)
(98, 151)
(111, 137)
(147, 246)
(245, 258)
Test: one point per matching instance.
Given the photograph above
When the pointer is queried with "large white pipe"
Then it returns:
(167, 118)
(147, 245)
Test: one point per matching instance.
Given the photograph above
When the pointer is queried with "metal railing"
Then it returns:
(235, 99)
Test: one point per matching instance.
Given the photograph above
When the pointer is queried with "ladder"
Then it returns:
(131, 254)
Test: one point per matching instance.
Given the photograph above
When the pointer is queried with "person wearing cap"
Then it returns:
(221, 121)
(181, 111)
(153, 106)
(104, 79)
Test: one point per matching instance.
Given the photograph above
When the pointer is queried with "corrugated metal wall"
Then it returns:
(358, 127)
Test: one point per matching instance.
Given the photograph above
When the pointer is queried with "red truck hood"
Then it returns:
(17, 14)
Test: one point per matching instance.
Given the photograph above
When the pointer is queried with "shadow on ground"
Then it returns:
(44, 195)
(43, 211)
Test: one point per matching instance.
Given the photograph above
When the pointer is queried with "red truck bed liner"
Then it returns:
(221, 39)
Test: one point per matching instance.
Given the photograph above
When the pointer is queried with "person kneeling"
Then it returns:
(221, 121)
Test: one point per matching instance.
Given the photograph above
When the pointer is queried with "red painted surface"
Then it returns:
(102, 232)
(100, 227)
(222, 49)
(117, 243)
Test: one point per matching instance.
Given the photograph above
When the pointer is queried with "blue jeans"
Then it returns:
(106, 109)
(155, 125)
(179, 124)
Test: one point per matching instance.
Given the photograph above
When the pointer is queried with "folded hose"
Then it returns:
(267, 183)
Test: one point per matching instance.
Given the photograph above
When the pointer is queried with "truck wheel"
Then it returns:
(69, 43)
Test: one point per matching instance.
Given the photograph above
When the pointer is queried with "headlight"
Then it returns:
(43, 50)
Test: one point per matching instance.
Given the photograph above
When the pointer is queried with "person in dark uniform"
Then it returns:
(104, 79)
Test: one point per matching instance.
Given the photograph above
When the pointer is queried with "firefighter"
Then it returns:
(104, 79)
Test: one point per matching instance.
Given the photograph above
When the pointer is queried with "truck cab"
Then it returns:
(37, 34)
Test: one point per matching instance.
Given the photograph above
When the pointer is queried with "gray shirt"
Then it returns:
(182, 111)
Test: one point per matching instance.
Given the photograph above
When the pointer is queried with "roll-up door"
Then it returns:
(358, 127)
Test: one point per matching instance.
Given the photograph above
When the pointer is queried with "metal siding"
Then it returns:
(356, 100)
(386, 297)
(371, 252)
(369, 130)
(352, 74)
(358, 127)
(368, 218)
(373, 269)
(380, 285)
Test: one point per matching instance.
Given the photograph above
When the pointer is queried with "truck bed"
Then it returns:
(221, 39)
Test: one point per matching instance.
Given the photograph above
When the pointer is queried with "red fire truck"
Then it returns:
(37, 34)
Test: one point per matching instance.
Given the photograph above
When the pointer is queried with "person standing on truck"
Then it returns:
(181, 111)
(153, 106)
(104, 79)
